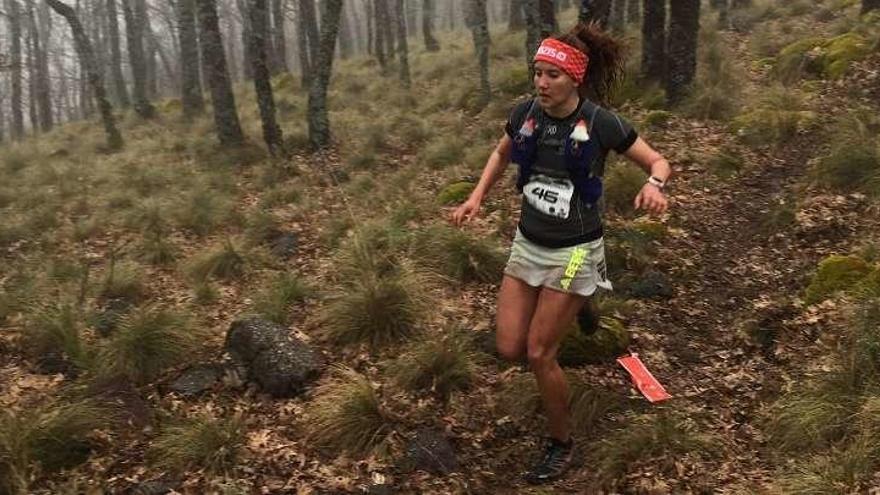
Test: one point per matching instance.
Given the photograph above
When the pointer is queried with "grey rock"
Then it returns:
(284, 245)
(430, 450)
(108, 319)
(281, 364)
(651, 285)
(196, 380)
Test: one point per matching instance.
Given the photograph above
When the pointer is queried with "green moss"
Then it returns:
(725, 163)
(851, 165)
(869, 287)
(819, 57)
(658, 118)
(836, 273)
(609, 342)
(841, 51)
(455, 193)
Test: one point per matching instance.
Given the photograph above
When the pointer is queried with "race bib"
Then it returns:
(550, 196)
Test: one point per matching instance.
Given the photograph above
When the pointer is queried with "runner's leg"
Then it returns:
(554, 313)
(516, 305)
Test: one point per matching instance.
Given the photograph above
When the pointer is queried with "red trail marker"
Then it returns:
(643, 379)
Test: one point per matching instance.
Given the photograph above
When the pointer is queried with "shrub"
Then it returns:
(455, 193)
(377, 308)
(226, 262)
(459, 256)
(275, 301)
(15, 160)
(147, 341)
(439, 365)
(200, 443)
(347, 415)
(835, 273)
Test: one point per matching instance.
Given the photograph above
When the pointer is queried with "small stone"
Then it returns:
(196, 380)
(430, 450)
(650, 285)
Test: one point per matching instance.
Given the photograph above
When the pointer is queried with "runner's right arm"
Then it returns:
(495, 167)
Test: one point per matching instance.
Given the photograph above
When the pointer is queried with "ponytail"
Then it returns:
(606, 54)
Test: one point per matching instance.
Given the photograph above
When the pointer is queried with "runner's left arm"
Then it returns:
(651, 197)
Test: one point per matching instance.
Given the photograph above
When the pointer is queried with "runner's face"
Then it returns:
(554, 87)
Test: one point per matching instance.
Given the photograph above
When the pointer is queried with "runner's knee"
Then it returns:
(541, 356)
(509, 349)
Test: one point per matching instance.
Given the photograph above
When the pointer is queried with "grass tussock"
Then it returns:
(441, 366)
(443, 151)
(378, 308)
(622, 184)
(124, 281)
(853, 165)
(53, 334)
(203, 212)
(226, 262)
(204, 442)
(777, 117)
(661, 437)
(147, 341)
(47, 439)
(274, 302)
(458, 255)
(347, 414)
(717, 92)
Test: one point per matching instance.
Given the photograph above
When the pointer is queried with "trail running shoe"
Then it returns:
(554, 462)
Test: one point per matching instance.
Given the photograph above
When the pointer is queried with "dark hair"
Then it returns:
(606, 54)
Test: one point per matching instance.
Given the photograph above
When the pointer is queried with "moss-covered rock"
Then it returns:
(836, 273)
(820, 57)
(455, 193)
(841, 51)
(868, 287)
(609, 342)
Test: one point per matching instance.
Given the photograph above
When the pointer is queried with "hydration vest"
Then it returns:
(579, 155)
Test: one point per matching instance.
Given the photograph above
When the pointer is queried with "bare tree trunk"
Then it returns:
(32, 81)
(40, 75)
(532, 15)
(120, 93)
(14, 21)
(654, 40)
(428, 13)
(226, 120)
(309, 21)
(346, 35)
(191, 86)
(402, 47)
(279, 38)
(262, 84)
(384, 24)
(598, 11)
(633, 11)
(869, 5)
(247, 63)
(616, 20)
(302, 39)
(319, 123)
(548, 18)
(380, 36)
(478, 22)
(87, 59)
(684, 28)
(516, 20)
(134, 29)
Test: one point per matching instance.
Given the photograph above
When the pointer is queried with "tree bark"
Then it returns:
(87, 59)
(869, 5)
(226, 120)
(633, 11)
(478, 22)
(428, 14)
(616, 19)
(515, 18)
(548, 18)
(598, 11)
(319, 123)
(32, 81)
(262, 83)
(302, 39)
(14, 21)
(279, 38)
(402, 47)
(247, 55)
(134, 29)
(532, 16)
(380, 36)
(684, 27)
(191, 87)
(721, 7)
(120, 92)
(654, 40)
(309, 21)
(346, 35)
(40, 75)
(384, 23)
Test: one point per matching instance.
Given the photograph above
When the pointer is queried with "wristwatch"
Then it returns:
(654, 181)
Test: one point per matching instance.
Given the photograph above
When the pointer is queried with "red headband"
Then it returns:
(568, 58)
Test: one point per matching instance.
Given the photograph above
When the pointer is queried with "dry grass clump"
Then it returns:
(226, 262)
(378, 307)
(204, 442)
(273, 303)
(347, 415)
(53, 335)
(779, 116)
(441, 366)
(622, 184)
(147, 341)
(458, 255)
(443, 151)
(854, 161)
(662, 436)
(203, 212)
(717, 92)
(124, 281)
(47, 439)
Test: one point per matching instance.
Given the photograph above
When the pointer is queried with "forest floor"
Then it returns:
(733, 335)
